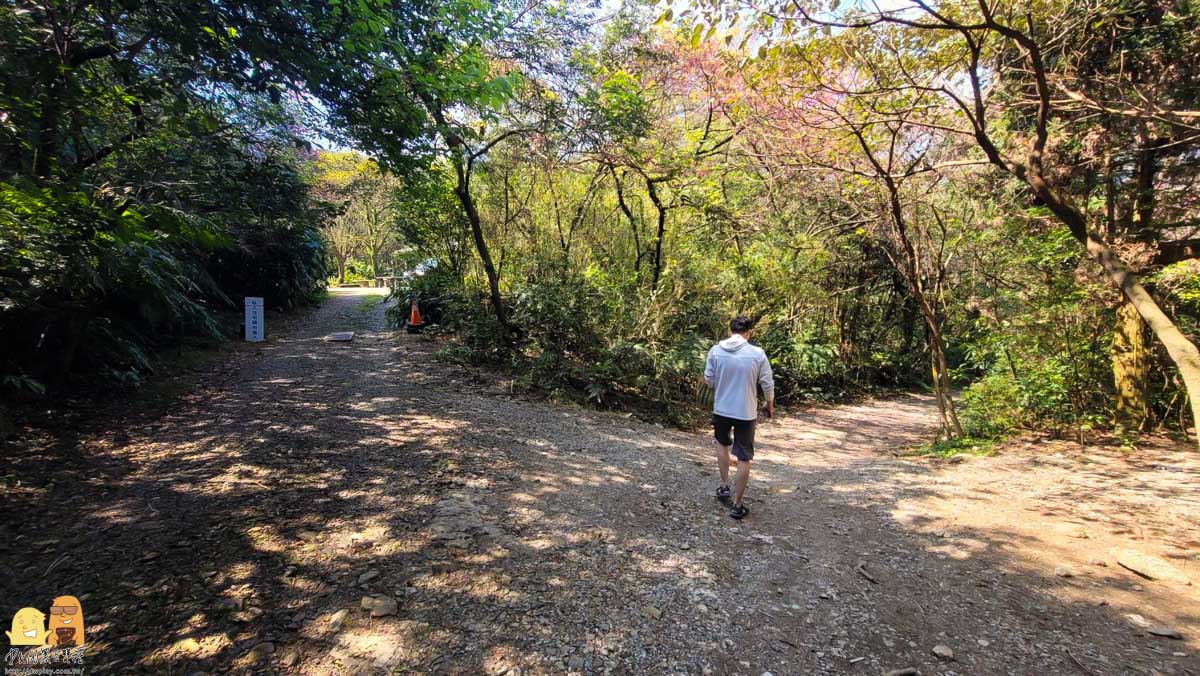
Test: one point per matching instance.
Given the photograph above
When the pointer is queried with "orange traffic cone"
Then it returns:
(414, 319)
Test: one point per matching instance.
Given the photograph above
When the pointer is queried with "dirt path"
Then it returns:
(494, 534)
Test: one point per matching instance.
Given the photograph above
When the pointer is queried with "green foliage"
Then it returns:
(94, 286)
(621, 105)
(1036, 350)
(277, 250)
(1182, 282)
(577, 343)
(151, 176)
(78, 272)
(805, 364)
(622, 198)
(583, 339)
(436, 289)
(997, 404)
(967, 445)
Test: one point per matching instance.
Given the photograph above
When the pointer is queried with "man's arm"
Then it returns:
(766, 380)
(710, 369)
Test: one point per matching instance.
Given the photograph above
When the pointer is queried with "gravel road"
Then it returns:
(315, 507)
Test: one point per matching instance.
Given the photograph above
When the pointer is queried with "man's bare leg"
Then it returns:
(740, 480)
(722, 461)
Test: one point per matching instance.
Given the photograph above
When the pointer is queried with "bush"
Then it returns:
(988, 407)
(601, 338)
(92, 285)
(576, 340)
(948, 448)
(805, 364)
(434, 288)
(1043, 395)
(95, 285)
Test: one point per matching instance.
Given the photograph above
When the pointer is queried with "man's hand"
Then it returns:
(770, 409)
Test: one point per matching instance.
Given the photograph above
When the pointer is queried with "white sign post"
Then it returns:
(254, 320)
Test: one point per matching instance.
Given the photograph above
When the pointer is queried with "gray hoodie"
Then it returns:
(734, 369)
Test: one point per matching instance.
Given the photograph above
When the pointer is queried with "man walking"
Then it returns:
(735, 369)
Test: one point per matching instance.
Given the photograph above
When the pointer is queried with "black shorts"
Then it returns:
(743, 435)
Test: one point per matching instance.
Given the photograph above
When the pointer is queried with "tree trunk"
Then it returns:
(637, 242)
(341, 265)
(1131, 367)
(1182, 351)
(1131, 360)
(939, 370)
(46, 139)
(75, 325)
(462, 190)
(658, 238)
(910, 270)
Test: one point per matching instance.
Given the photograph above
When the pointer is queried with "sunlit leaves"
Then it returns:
(622, 104)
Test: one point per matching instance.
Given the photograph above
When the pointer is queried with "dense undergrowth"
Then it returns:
(147, 185)
(95, 284)
(1030, 357)
(587, 340)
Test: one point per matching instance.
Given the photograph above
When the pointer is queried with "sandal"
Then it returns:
(723, 494)
(739, 512)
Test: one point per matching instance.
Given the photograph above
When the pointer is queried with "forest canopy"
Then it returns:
(995, 201)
